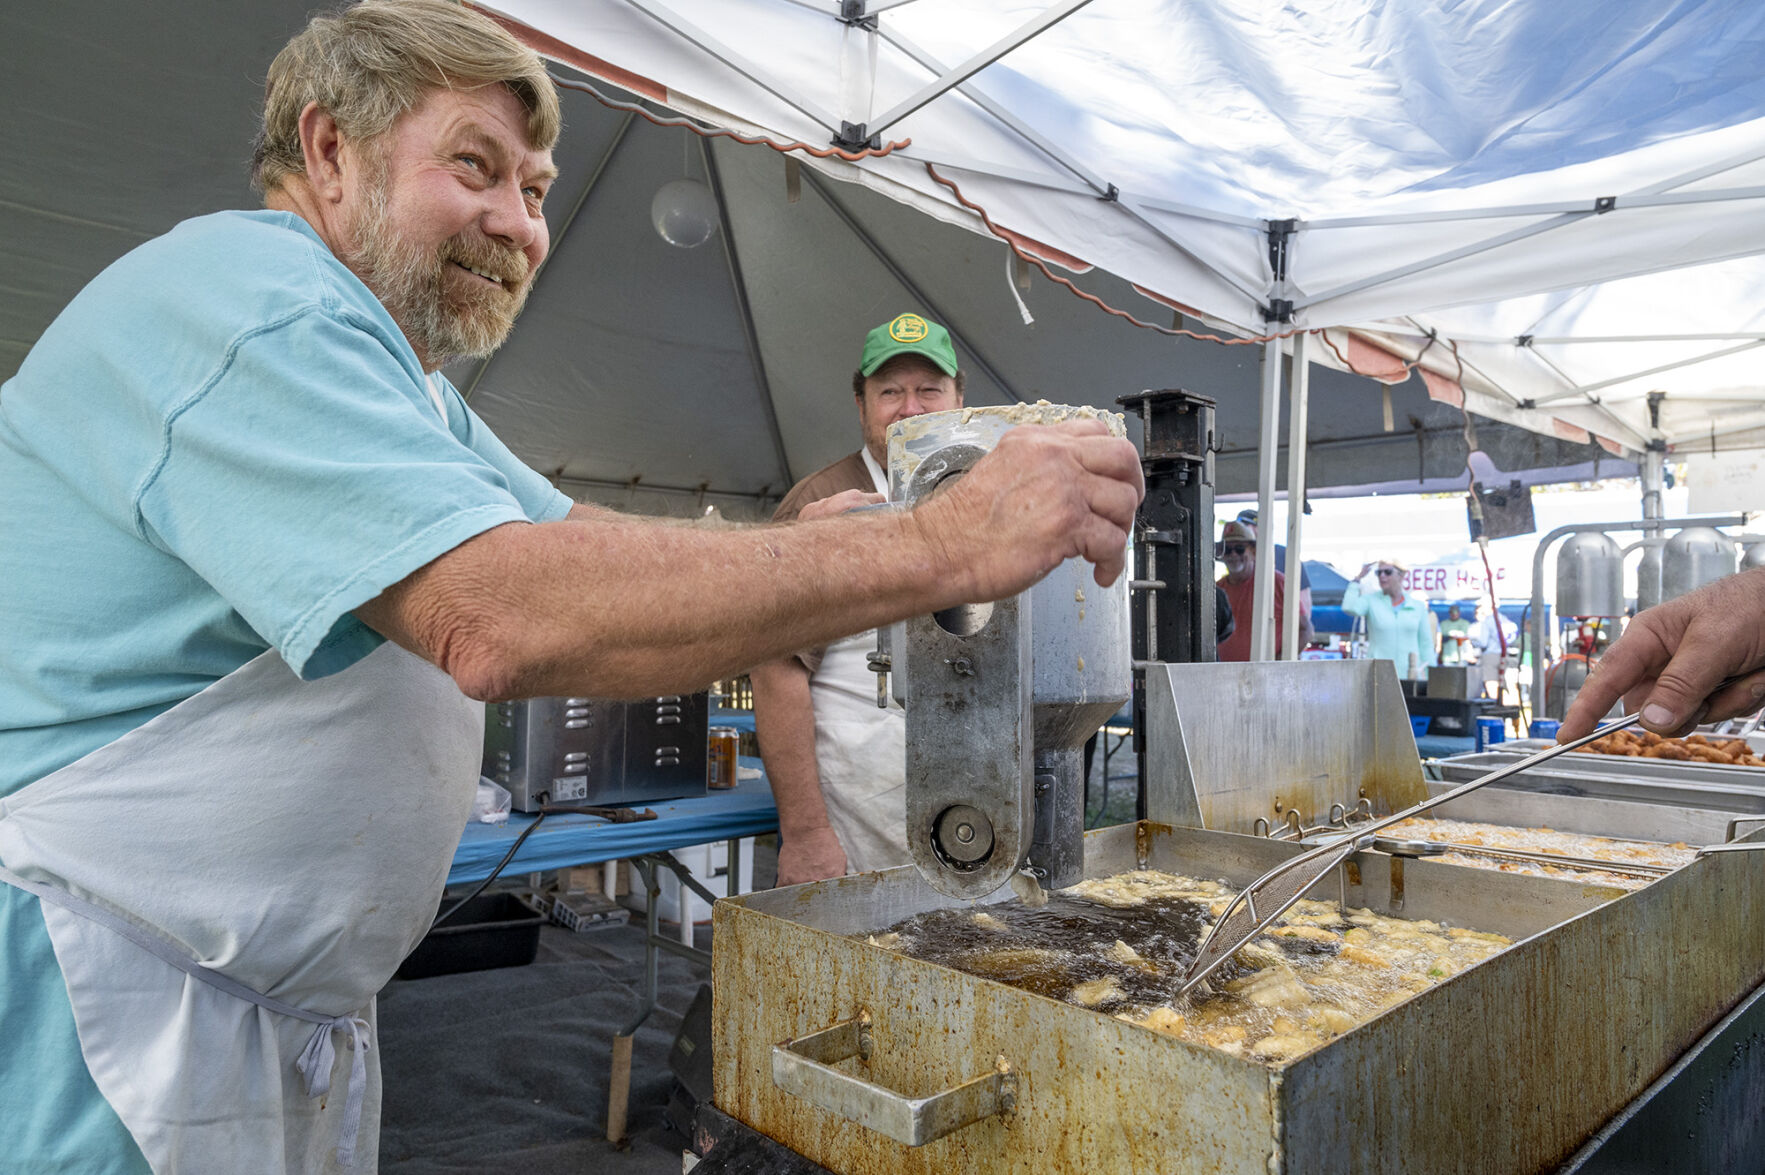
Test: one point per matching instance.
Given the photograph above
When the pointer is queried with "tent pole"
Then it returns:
(742, 65)
(953, 78)
(912, 287)
(738, 285)
(1645, 199)
(1598, 404)
(1296, 428)
(1447, 258)
(588, 188)
(1735, 425)
(1585, 389)
(1653, 474)
(1268, 449)
(1567, 340)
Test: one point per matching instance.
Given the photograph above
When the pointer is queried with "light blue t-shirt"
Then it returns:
(223, 444)
(1393, 633)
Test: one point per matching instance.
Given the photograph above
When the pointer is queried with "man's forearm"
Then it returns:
(611, 606)
(784, 725)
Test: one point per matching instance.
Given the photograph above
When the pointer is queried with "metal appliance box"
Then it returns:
(591, 751)
(1449, 681)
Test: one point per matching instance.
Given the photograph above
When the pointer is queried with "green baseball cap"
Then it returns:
(908, 334)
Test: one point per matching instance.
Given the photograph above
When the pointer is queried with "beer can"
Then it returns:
(720, 759)
(1489, 732)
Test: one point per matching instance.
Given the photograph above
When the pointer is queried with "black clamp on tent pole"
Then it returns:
(852, 13)
(854, 136)
(1280, 246)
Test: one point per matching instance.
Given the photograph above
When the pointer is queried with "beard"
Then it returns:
(444, 316)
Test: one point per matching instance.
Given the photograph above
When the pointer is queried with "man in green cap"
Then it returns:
(836, 760)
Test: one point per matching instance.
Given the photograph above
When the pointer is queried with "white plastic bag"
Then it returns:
(491, 805)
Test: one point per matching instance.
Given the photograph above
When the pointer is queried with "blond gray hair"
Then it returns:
(368, 64)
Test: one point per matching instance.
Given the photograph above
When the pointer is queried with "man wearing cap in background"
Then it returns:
(1248, 517)
(837, 761)
(1237, 550)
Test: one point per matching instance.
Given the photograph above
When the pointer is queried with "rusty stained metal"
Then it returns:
(1507, 1066)
(1511, 1065)
(1093, 1093)
(805, 1068)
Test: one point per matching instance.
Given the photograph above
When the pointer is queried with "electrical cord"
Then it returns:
(611, 815)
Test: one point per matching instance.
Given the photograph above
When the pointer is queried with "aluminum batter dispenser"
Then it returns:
(1000, 698)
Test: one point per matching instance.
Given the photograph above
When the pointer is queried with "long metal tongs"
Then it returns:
(1272, 894)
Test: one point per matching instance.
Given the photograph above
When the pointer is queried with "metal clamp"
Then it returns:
(803, 1067)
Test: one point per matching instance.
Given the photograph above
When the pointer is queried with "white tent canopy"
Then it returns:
(1559, 207)
(657, 378)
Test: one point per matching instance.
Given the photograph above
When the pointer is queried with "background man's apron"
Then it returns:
(293, 838)
(861, 754)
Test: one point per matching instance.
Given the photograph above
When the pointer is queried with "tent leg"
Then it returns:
(1654, 480)
(1268, 452)
(1296, 428)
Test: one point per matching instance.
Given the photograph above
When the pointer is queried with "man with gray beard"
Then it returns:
(265, 566)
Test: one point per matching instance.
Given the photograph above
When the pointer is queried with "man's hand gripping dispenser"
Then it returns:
(1000, 698)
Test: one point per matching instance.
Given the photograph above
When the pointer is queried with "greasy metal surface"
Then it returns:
(1094, 1094)
(1701, 1115)
(1511, 1065)
(997, 688)
(804, 1068)
(1266, 898)
(1653, 781)
(1595, 816)
(1057, 852)
(1507, 1066)
(1227, 742)
(968, 745)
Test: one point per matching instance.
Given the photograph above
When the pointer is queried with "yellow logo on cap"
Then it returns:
(908, 328)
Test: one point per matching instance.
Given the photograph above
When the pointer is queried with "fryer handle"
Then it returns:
(803, 1067)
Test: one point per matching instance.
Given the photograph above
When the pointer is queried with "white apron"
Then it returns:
(861, 754)
(270, 837)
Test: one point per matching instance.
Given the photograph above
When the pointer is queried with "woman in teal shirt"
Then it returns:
(1398, 624)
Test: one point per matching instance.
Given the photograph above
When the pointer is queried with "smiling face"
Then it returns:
(1239, 556)
(442, 220)
(905, 386)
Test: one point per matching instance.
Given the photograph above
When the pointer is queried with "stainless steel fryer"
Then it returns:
(1507, 1066)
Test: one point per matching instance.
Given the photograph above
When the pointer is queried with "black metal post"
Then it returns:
(1172, 598)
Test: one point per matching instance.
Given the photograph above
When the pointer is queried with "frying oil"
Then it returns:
(1121, 945)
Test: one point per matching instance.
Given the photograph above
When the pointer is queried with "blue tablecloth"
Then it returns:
(1438, 746)
(564, 841)
(740, 719)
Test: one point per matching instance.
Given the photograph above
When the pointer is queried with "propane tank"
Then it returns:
(1694, 557)
(1755, 556)
(1590, 576)
(1648, 574)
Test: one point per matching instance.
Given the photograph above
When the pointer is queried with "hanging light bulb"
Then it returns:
(684, 212)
